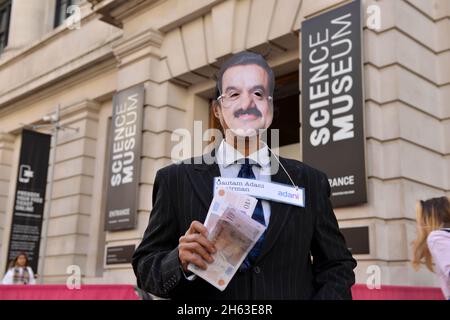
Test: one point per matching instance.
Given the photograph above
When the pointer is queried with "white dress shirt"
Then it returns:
(227, 156)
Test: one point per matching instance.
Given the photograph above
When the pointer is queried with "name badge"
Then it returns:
(262, 190)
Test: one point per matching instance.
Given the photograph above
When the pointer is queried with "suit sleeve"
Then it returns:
(333, 263)
(155, 261)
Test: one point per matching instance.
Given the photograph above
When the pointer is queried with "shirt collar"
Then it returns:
(227, 155)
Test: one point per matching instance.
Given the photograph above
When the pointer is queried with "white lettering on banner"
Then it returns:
(25, 201)
(343, 193)
(263, 190)
(342, 181)
(119, 213)
(320, 86)
(123, 154)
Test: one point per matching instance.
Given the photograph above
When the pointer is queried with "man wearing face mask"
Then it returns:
(301, 255)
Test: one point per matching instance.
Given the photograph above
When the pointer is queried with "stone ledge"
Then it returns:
(143, 44)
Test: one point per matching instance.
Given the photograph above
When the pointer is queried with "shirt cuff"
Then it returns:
(188, 275)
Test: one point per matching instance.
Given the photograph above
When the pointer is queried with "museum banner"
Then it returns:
(333, 137)
(124, 159)
(29, 198)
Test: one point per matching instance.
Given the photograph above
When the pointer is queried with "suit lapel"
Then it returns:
(201, 177)
(279, 212)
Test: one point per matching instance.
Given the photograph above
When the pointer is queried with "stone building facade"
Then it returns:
(174, 48)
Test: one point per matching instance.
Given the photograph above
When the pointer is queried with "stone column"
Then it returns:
(27, 22)
(6, 176)
(140, 62)
(406, 90)
(68, 235)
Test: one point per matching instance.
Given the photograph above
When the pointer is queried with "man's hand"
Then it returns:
(195, 248)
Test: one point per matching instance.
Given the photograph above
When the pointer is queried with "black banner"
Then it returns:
(124, 159)
(30, 197)
(332, 101)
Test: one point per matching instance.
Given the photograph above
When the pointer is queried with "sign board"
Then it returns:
(333, 103)
(29, 200)
(124, 159)
(119, 254)
(357, 239)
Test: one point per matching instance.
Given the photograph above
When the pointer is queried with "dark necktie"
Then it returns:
(258, 215)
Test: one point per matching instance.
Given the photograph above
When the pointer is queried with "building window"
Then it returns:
(286, 116)
(5, 13)
(61, 13)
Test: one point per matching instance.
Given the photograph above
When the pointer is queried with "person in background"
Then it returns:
(433, 239)
(19, 272)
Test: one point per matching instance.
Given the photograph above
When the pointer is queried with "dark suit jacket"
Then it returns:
(304, 255)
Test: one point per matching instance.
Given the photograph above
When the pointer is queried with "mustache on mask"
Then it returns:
(250, 111)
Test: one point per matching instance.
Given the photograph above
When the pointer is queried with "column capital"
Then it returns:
(79, 111)
(115, 12)
(146, 43)
(6, 138)
(79, 107)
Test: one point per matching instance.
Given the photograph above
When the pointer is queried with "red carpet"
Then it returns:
(61, 292)
(127, 292)
(361, 292)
